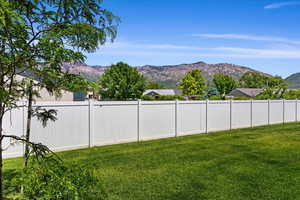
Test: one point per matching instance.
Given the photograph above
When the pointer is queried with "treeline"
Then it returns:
(123, 82)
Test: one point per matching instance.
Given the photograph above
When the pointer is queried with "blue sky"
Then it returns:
(262, 34)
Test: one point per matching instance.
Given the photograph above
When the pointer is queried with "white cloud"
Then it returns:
(248, 37)
(172, 50)
(118, 45)
(282, 4)
(261, 53)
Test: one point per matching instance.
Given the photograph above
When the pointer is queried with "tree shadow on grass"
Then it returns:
(9, 184)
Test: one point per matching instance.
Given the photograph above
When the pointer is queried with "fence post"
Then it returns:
(269, 111)
(138, 119)
(176, 117)
(230, 114)
(283, 111)
(251, 113)
(206, 116)
(90, 121)
(296, 111)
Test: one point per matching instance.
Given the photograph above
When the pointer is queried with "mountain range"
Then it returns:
(168, 75)
(293, 81)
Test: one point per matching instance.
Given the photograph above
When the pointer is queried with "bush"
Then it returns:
(196, 97)
(148, 98)
(55, 180)
(215, 98)
(242, 98)
(162, 98)
(292, 94)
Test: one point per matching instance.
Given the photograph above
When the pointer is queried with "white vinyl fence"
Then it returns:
(90, 123)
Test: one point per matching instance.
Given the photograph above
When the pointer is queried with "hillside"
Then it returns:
(168, 75)
(293, 80)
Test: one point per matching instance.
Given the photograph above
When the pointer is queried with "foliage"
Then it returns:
(270, 93)
(37, 37)
(276, 82)
(210, 92)
(193, 83)
(242, 98)
(215, 98)
(162, 97)
(121, 82)
(224, 84)
(197, 97)
(259, 80)
(52, 179)
(154, 85)
(253, 80)
(276, 88)
(292, 94)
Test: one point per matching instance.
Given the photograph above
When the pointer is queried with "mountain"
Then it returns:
(168, 75)
(171, 75)
(293, 81)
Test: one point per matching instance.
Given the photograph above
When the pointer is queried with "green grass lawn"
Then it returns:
(257, 163)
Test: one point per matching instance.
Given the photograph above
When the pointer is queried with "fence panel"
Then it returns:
(83, 124)
(276, 111)
(13, 124)
(218, 115)
(298, 110)
(260, 112)
(241, 114)
(157, 119)
(190, 117)
(70, 131)
(114, 122)
(289, 110)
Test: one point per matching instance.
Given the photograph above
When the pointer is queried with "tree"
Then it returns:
(154, 85)
(121, 82)
(275, 88)
(193, 83)
(259, 80)
(292, 94)
(253, 80)
(54, 85)
(210, 92)
(38, 37)
(276, 82)
(224, 84)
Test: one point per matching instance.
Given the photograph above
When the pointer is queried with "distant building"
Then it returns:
(46, 96)
(83, 95)
(162, 92)
(246, 92)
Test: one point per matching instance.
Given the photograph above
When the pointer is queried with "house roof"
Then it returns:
(163, 92)
(251, 92)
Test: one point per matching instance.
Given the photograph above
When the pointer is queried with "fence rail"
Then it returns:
(91, 123)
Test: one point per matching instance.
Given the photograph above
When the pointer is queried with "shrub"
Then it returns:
(55, 180)
(242, 98)
(197, 97)
(162, 98)
(215, 98)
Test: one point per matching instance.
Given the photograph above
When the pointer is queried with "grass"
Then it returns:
(257, 163)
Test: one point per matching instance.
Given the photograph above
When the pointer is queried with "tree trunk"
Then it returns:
(1, 158)
(28, 125)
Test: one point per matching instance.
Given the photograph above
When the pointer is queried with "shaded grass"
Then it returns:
(254, 163)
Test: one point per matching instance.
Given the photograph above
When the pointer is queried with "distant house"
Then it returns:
(162, 92)
(46, 96)
(83, 95)
(246, 92)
